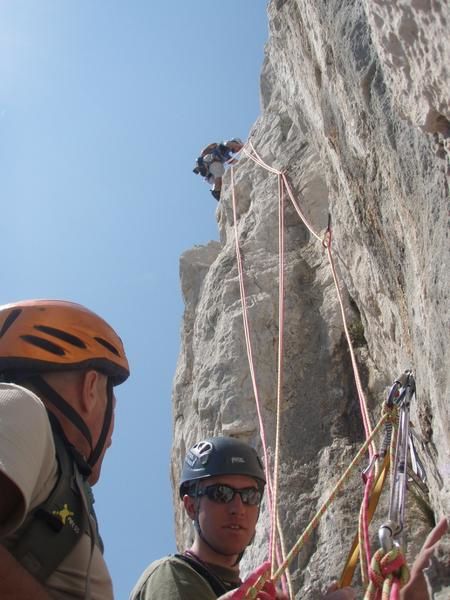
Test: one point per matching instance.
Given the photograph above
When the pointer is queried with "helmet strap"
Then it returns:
(96, 452)
(63, 407)
(198, 529)
(84, 469)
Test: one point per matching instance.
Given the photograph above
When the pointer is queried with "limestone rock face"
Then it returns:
(355, 110)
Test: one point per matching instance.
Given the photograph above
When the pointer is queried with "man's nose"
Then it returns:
(236, 505)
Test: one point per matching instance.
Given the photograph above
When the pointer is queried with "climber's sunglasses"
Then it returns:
(224, 494)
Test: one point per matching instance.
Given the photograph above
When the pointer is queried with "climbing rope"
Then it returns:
(280, 353)
(283, 183)
(273, 549)
(323, 508)
(248, 343)
(352, 559)
(326, 242)
(363, 526)
(387, 572)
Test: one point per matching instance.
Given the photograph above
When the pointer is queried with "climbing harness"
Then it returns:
(213, 153)
(388, 563)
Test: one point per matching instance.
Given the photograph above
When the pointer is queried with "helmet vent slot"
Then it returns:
(10, 320)
(61, 335)
(44, 344)
(107, 345)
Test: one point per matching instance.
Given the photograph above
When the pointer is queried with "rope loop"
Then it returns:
(388, 573)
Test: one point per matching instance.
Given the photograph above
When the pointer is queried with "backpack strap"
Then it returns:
(53, 528)
(217, 586)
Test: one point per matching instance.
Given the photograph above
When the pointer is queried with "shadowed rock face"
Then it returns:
(355, 108)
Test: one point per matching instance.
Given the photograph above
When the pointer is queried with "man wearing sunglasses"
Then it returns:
(222, 484)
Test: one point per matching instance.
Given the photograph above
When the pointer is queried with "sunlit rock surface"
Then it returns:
(355, 109)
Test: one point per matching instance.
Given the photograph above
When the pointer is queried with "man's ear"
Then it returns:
(189, 506)
(89, 391)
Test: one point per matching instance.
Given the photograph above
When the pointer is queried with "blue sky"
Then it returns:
(104, 106)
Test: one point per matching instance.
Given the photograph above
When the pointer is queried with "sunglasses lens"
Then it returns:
(251, 496)
(220, 493)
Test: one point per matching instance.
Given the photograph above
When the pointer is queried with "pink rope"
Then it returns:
(364, 528)
(273, 485)
(273, 547)
(362, 400)
(299, 212)
(280, 354)
(395, 590)
(249, 348)
(257, 159)
(359, 388)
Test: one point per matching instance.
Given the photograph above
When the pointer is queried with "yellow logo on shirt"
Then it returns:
(64, 514)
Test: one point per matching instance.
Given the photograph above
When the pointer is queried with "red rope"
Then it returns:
(248, 343)
(273, 546)
(280, 353)
(326, 242)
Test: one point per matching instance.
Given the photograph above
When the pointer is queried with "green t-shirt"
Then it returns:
(172, 578)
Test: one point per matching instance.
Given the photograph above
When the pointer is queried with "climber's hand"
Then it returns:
(416, 588)
(334, 593)
(268, 591)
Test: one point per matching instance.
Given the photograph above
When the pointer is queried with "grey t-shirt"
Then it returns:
(172, 578)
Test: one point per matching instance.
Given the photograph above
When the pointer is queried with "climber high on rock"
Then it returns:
(211, 162)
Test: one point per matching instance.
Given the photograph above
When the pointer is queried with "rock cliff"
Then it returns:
(355, 109)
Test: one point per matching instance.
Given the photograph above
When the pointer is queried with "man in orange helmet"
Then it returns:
(59, 363)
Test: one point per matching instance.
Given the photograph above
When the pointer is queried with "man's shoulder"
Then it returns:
(27, 451)
(19, 407)
(13, 393)
(168, 576)
(168, 564)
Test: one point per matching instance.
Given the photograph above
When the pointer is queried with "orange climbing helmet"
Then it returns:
(50, 335)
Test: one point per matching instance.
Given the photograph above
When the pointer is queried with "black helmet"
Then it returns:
(220, 456)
